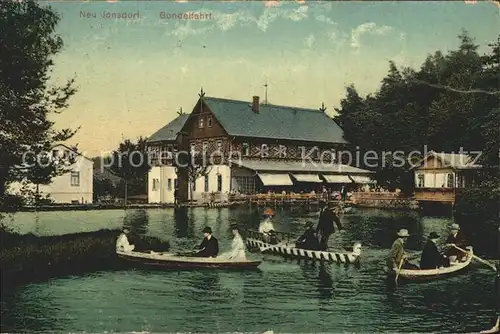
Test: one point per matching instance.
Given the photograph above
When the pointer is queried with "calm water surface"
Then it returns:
(283, 296)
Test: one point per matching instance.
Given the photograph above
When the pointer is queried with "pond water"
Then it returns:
(283, 296)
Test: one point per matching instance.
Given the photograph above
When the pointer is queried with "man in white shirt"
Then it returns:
(122, 243)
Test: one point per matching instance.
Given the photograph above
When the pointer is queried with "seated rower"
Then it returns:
(397, 257)
(237, 251)
(122, 243)
(308, 240)
(457, 238)
(431, 257)
(209, 247)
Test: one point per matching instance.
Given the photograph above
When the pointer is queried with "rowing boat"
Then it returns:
(254, 241)
(430, 274)
(174, 261)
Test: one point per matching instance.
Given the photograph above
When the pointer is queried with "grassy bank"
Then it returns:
(25, 258)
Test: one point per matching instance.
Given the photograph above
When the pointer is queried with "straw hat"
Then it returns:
(403, 233)
(268, 212)
(455, 227)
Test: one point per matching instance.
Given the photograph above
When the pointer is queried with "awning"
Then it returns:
(361, 179)
(275, 179)
(307, 178)
(337, 178)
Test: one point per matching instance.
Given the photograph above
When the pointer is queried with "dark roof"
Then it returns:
(274, 121)
(169, 131)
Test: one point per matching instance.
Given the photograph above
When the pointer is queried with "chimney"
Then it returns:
(255, 104)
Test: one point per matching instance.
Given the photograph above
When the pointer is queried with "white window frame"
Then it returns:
(75, 179)
(245, 149)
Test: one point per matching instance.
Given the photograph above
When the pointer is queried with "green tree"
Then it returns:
(28, 43)
(131, 163)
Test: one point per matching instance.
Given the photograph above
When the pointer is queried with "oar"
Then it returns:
(399, 269)
(477, 258)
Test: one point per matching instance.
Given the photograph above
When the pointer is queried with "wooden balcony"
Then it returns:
(440, 195)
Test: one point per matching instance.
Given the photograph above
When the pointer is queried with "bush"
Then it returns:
(30, 257)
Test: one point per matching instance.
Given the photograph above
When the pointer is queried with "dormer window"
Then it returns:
(201, 123)
(209, 121)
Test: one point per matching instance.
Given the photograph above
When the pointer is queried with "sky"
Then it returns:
(134, 74)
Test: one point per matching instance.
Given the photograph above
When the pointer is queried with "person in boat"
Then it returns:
(266, 227)
(326, 226)
(308, 239)
(237, 251)
(398, 254)
(431, 257)
(456, 238)
(209, 247)
(122, 243)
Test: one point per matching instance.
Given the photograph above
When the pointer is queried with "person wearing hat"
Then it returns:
(457, 238)
(326, 225)
(209, 247)
(398, 254)
(266, 226)
(122, 243)
(308, 240)
(237, 251)
(431, 257)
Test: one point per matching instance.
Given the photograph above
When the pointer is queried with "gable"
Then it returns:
(203, 123)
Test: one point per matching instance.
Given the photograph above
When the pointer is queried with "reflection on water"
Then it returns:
(285, 295)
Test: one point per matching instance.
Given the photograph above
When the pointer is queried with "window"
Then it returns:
(244, 184)
(66, 154)
(174, 148)
(219, 145)
(202, 120)
(156, 184)
(282, 151)
(302, 151)
(75, 179)
(206, 183)
(264, 150)
(193, 147)
(55, 153)
(219, 182)
(169, 184)
(449, 181)
(205, 146)
(245, 148)
(420, 180)
(209, 121)
(194, 185)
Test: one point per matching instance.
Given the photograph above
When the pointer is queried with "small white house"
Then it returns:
(162, 181)
(75, 186)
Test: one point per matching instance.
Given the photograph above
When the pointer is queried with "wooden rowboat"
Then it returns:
(173, 261)
(430, 274)
(254, 241)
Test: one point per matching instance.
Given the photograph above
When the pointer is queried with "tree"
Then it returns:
(131, 163)
(193, 165)
(27, 44)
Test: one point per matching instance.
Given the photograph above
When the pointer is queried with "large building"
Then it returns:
(252, 148)
(75, 186)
